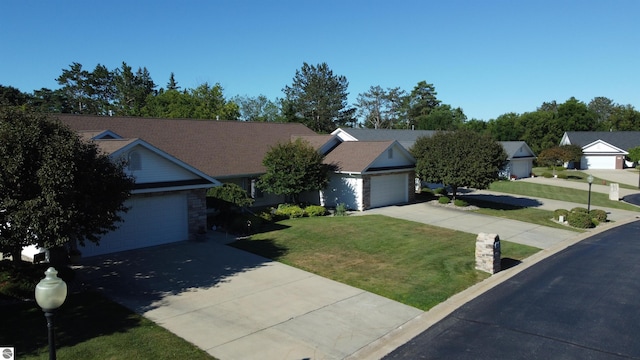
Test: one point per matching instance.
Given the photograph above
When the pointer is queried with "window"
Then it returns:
(135, 162)
(256, 193)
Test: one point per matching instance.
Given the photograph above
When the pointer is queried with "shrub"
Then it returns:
(230, 194)
(599, 215)
(315, 210)
(580, 210)
(341, 210)
(560, 212)
(440, 191)
(443, 200)
(460, 202)
(426, 191)
(562, 175)
(580, 220)
(289, 211)
(547, 175)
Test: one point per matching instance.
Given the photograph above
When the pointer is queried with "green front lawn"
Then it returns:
(557, 193)
(416, 264)
(88, 326)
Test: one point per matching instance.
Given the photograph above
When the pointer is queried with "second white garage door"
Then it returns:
(389, 190)
(151, 220)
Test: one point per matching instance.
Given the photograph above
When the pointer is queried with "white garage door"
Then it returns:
(150, 221)
(598, 162)
(389, 190)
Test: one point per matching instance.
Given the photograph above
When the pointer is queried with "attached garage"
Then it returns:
(389, 189)
(598, 162)
(151, 220)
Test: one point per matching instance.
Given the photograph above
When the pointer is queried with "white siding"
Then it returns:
(521, 168)
(155, 168)
(343, 188)
(151, 220)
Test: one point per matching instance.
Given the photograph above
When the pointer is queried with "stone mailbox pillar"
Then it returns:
(614, 192)
(488, 253)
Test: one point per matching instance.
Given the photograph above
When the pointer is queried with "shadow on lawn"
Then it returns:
(500, 202)
(24, 324)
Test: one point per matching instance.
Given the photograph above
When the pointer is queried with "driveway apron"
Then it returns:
(236, 305)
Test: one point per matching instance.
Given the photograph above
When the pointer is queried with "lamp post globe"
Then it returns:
(590, 181)
(51, 293)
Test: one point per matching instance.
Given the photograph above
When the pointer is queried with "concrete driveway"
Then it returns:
(236, 305)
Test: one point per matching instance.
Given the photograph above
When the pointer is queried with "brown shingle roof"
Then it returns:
(356, 156)
(218, 148)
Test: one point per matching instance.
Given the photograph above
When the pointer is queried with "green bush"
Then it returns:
(547, 175)
(230, 194)
(341, 210)
(443, 200)
(440, 191)
(460, 202)
(599, 215)
(560, 212)
(315, 210)
(580, 220)
(562, 175)
(426, 191)
(289, 211)
(580, 210)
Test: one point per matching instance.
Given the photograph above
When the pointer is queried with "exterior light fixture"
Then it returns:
(590, 181)
(50, 295)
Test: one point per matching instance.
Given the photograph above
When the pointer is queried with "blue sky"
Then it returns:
(488, 57)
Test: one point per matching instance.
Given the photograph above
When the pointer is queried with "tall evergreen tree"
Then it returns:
(319, 98)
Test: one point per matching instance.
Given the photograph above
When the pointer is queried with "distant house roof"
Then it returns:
(624, 140)
(517, 149)
(218, 148)
(356, 156)
(406, 138)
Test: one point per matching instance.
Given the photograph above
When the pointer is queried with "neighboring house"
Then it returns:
(520, 157)
(367, 174)
(602, 149)
(167, 204)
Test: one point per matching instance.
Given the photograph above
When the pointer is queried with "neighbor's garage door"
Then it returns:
(389, 190)
(598, 162)
(151, 220)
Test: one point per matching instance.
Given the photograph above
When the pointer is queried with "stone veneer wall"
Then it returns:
(366, 192)
(196, 211)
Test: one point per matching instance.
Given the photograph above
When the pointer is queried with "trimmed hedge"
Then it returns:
(443, 200)
(289, 211)
(560, 212)
(547, 175)
(599, 215)
(580, 220)
(440, 191)
(580, 210)
(315, 210)
(460, 202)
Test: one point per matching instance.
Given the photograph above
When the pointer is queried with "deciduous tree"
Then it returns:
(382, 109)
(54, 187)
(458, 158)
(293, 168)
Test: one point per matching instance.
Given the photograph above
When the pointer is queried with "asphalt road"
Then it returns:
(582, 303)
(632, 199)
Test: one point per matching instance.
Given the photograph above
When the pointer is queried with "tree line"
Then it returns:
(316, 97)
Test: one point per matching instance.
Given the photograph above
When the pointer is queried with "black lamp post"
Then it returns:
(590, 181)
(50, 294)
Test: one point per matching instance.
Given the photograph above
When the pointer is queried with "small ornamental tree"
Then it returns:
(293, 168)
(54, 187)
(458, 158)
